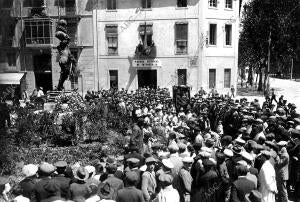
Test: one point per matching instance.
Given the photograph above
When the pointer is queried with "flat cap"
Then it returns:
(167, 163)
(47, 168)
(60, 164)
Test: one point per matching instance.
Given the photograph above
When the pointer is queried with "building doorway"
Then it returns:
(147, 78)
(42, 71)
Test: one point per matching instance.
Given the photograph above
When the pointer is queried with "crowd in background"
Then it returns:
(210, 148)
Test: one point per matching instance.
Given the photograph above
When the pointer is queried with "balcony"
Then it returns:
(39, 32)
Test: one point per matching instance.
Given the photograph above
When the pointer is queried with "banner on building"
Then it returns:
(146, 63)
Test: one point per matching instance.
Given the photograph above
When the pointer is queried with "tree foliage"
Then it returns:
(264, 20)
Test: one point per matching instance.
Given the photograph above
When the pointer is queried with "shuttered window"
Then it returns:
(181, 37)
(112, 39)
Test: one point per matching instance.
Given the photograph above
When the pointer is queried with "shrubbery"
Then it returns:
(85, 132)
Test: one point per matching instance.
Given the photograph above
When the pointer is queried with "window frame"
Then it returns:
(215, 35)
(149, 28)
(117, 76)
(185, 76)
(180, 39)
(111, 6)
(229, 84)
(179, 1)
(211, 3)
(226, 35)
(111, 50)
(32, 27)
(11, 58)
(32, 4)
(146, 4)
(215, 78)
(226, 5)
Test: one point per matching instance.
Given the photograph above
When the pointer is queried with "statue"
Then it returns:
(67, 62)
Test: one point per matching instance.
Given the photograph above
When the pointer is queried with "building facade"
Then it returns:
(121, 43)
(164, 43)
(28, 53)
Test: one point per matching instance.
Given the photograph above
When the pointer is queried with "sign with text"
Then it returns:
(146, 63)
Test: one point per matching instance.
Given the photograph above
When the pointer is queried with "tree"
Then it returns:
(264, 22)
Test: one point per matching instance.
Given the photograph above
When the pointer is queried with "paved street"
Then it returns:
(290, 90)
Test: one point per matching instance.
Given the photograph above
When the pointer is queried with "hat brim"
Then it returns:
(82, 179)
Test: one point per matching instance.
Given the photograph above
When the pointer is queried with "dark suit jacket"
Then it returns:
(130, 194)
(39, 192)
(27, 187)
(240, 188)
(64, 184)
(115, 183)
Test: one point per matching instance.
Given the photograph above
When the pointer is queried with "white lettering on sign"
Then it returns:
(146, 63)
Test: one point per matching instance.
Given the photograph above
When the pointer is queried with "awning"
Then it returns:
(11, 78)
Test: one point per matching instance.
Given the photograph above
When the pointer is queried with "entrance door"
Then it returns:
(147, 78)
(42, 71)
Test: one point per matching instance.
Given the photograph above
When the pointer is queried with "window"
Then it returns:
(228, 33)
(212, 78)
(113, 79)
(33, 3)
(181, 73)
(146, 3)
(213, 34)
(11, 59)
(212, 3)
(181, 3)
(149, 33)
(39, 31)
(111, 4)
(228, 4)
(70, 7)
(112, 39)
(227, 78)
(181, 37)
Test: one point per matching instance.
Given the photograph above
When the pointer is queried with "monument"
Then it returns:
(67, 62)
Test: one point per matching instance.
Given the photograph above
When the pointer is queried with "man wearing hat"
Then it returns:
(242, 185)
(148, 180)
(167, 193)
(130, 193)
(62, 180)
(174, 158)
(184, 179)
(79, 189)
(27, 185)
(267, 179)
(45, 170)
(282, 171)
(115, 183)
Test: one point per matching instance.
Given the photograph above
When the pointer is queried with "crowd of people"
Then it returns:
(210, 148)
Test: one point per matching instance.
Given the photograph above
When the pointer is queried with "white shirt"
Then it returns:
(40, 93)
(168, 194)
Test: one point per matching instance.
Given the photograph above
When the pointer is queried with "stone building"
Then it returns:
(28, 54)
(121, 43)
(164, 43)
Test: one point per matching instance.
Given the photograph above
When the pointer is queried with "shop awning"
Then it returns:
(11, 78)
